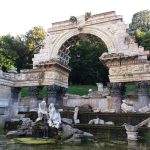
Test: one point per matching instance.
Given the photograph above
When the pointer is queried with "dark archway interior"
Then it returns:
(81, 53)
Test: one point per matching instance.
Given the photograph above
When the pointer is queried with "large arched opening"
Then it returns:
(81, 52)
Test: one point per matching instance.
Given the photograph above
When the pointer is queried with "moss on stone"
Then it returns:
(35, 141)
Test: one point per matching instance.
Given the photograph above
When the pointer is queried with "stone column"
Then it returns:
(61, 93)
(15, 97)
(116, 92)
(52, 91)
(143, 99)
(34, 91)
(55, 94)
(15, 94)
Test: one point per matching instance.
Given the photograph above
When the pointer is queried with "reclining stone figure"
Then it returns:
(126, 107)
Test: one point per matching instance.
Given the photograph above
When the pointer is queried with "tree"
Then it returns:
(141, 21)
(7, 52)
(85, 63)
(18, 51)
(33, 41)
(140, 25)
(143, 39)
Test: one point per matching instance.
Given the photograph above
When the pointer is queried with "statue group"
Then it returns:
(52, 115)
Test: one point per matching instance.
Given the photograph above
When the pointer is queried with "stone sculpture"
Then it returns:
(74, 135)
(73, 19)
(102, 91)
(126, 107)
(96, 121)
(100, 121)
(75, 116)
(145, 109)
(42, 110)
(131, 130)
(54, 117)
(24, 130)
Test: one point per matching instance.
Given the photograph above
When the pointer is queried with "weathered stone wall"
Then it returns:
(104, 104)
(101, 103)
(36, 77)
(5, 100)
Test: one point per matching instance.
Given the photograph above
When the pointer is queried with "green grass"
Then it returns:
(32, 141)
(43, 92)
(25, 91)
(76, 89)
(81, 89)
(1, 129)
(73, 89)
(130, 88)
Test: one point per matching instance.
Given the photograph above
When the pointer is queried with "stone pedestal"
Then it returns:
(143, 99)
(116, 92)
(132, 144)
(133, 136)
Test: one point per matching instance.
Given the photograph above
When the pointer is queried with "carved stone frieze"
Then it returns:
(129, 69)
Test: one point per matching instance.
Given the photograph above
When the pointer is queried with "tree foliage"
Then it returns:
(140, 25)
(85, 63)
(7, 51)
(17, 52)
(141, 21)
(35, 39)
(143, 39)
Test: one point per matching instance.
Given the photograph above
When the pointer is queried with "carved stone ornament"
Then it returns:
(80, 22)
(73, 19)
(87, 15)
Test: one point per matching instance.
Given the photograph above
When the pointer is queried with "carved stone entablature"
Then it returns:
(53, 62)
(6, 82)
(129, 69)
(52, 73)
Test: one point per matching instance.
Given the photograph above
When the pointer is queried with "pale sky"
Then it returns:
(19, 16)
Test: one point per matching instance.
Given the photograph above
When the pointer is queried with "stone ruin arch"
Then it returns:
(126, 61)
(109, 27)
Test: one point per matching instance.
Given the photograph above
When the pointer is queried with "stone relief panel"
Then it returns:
(130, 69)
